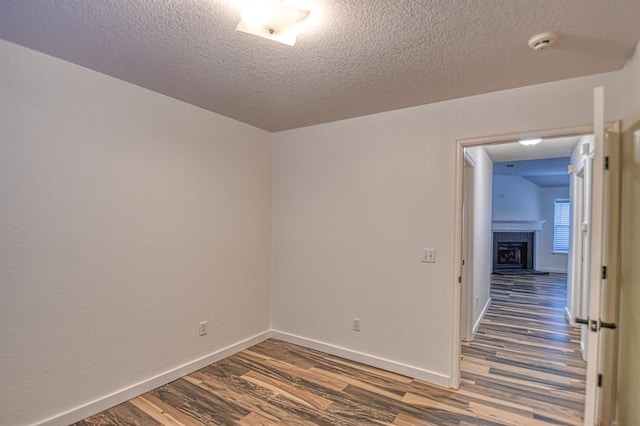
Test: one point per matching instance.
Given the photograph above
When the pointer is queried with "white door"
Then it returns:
(601, 228)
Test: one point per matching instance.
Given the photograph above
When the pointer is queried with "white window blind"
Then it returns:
(562, 210)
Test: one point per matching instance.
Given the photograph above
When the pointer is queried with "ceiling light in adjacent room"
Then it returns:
(529, 142)
(272, 19)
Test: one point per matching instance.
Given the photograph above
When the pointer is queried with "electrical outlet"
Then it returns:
(203, 328)
(356, 324)
(429, 255)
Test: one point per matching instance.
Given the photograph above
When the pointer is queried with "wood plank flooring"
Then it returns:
(524, 368)
(526, 352)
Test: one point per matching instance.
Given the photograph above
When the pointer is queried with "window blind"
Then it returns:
(562, 210)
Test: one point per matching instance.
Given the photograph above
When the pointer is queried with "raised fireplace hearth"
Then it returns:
(513, 251)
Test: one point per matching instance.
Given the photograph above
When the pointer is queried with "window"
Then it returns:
(561, 216)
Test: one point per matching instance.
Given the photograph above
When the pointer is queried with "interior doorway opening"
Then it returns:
(520, 244)
(509, 192)
(604, 220)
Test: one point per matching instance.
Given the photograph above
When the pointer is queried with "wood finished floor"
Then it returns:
(523, 368)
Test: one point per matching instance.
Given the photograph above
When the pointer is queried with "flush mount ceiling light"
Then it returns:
(272, 19)
(529, 142)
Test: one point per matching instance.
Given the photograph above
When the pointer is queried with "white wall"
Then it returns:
(355, 200)
(516, 198)
(547, 259)
(126, 217)
(482, 234)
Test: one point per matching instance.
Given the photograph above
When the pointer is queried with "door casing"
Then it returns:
(612, 221)
(461, 144)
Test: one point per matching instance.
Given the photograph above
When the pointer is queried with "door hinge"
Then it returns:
(459, 279)
(462, 262)
(599, 380)
(606, 162)
(604, 272)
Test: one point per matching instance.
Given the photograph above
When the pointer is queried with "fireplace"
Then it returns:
(512, 256)
(513, 251)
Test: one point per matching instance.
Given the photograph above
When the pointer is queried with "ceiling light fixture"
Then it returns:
(272, 19)
(529, 142)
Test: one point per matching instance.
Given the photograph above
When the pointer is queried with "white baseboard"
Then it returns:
(118, 397)
(371, 360)
(125, 394)
(476, 326)
(569, 317)
(555, 270)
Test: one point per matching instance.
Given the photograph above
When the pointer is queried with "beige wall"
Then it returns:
(629, 377)
(629, 373)
(126, 217)
(355, 200)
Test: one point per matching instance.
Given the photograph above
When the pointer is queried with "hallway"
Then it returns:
(526, 353)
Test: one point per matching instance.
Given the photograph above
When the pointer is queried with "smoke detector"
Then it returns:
(542, 41)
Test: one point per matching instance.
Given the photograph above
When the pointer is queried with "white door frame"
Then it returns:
(603, 289)
(611, 294)
(468, 215)
(461, 144)
(580, 250)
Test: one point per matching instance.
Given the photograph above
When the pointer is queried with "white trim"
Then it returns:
(476, 326)
(517, 225)
(122, 395)
(467, 239)
(569, 317)
(469, 159)
(597, 249)
(103, 403)
(456, 305)
(554, 270)
(457, 224)
(371, 360)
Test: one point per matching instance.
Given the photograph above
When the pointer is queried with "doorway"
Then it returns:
(574, 292)
(465, 235)
(521, 336)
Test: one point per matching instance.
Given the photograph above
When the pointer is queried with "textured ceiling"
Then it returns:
(354, 58)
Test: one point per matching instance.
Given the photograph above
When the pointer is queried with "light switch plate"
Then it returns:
(429, 255)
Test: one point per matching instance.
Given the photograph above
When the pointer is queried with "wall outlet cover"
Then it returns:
(203, 328)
